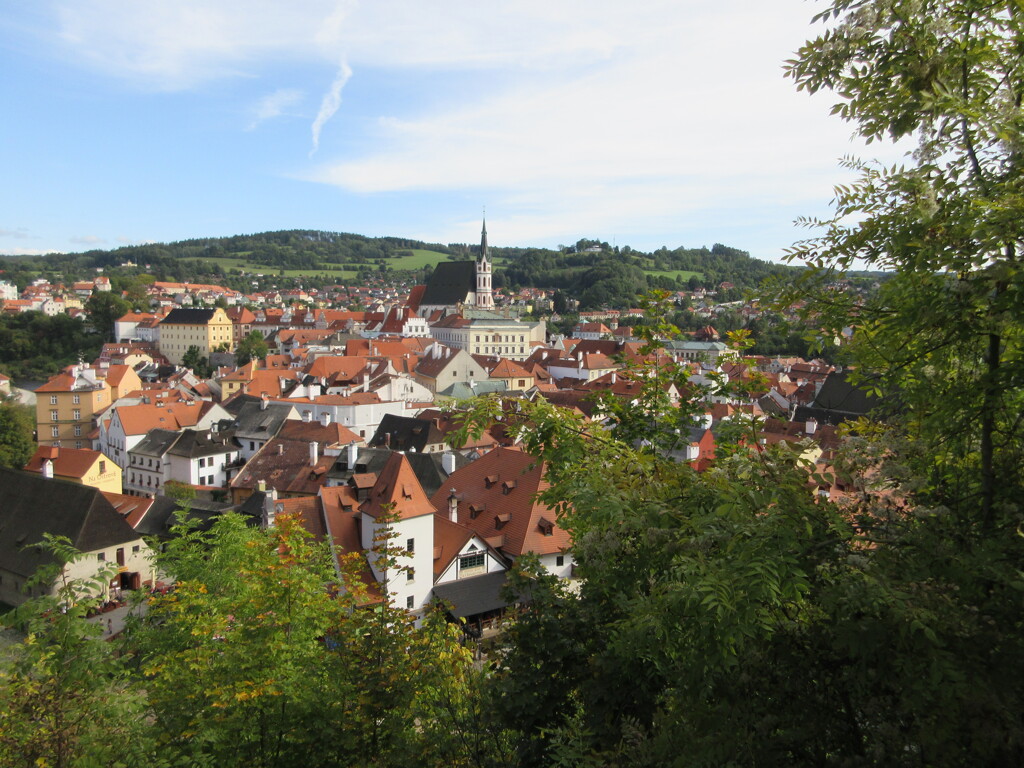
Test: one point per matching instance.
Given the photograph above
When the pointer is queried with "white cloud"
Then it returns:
(330, 103)
(274, 105)
(21, 233)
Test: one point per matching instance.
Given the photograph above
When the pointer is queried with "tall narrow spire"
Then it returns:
(483, 240)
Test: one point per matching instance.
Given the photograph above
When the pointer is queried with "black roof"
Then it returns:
(405, 433)
(837, 401)
(254, 422)
(188, 317)
(194, 443)
(470, 597)
(426, 466)
(161, 516)
(32, 505)
(449, 283)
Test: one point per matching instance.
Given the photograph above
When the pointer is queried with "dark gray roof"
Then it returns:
(194, 443)
(470, 597)
(255, 423)
(426, 466)
(156, 442)
(188, 317)
(449, 283)
(837, 401)
(161, 516)
(32, 505)
(405, 433)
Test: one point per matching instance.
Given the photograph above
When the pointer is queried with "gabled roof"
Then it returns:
(406, 433)
(397, 492)
(67, 462)
(497, 499)
(189, 317)
(32, 505)
(449, 283)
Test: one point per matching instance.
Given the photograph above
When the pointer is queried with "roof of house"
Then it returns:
(32, 505)
(285, 467)
(189, 317)
(397, 492)
(497, 499)
(469, 597)
(406, 433)
(67, 462)
(449, 283)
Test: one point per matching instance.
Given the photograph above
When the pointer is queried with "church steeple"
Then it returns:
(484, 298)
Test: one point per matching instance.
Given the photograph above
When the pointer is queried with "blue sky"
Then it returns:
(643, 124)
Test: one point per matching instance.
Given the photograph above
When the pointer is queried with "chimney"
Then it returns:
(453, 507)
(614, 377)
(811, 426)
(47, 469)
(306, 417)
(448, 462)
(692, 452)
(270, 509)
(325, 419)
(280, 449)
(353, 456)
(263, 401)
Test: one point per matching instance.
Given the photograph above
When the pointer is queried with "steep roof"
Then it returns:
(497, 499)
(449, 283)
(67, 462)
(397, 492)
(32, 505)
(189, 317)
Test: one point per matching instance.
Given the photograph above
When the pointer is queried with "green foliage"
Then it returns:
(252, 346)
(36, 346)
(104, 308)
(17, 430)
(194, 360)
(67, 698)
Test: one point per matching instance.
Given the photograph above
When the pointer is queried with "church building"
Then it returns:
(454, 285)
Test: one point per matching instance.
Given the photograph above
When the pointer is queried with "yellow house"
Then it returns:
(67, 404)
(206, 329)
(82, 466)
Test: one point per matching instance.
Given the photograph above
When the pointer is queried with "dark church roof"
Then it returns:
(449, 283)
(32, 505)
(470, 597)
(837, 401)
(188, 317)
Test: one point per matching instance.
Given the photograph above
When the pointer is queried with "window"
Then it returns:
(78, 430)
(53, 399)
(101, 557)
(55, 431)
(410, 575)
(470, 562)
(409, 602)
(53, 415)
(76, 399)
(103, 467)
(202, 462)
(76, 414)
(252, 446)
(135, 549)
(410, 546)
(560, 561)
(78, 443)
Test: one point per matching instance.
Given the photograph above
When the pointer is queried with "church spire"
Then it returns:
(483, 241)
(484, 298)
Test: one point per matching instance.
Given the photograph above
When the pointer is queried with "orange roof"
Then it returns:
(67, 462)
(139, 419)
(397, 492)
(497, 500)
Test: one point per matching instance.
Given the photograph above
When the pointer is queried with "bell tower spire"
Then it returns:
(484, 297)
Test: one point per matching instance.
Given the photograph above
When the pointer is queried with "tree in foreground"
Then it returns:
(252, 346)
(735, 619)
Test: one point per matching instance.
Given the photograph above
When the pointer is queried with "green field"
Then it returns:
(674, 273)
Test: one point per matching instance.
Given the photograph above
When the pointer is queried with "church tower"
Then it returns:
(484, 298)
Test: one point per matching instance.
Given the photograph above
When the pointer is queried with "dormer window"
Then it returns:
(475, 510)
(507, 486)
(501, 520)
(546, 526)
(490, 480)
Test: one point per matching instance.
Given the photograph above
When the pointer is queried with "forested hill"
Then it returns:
(594, 272)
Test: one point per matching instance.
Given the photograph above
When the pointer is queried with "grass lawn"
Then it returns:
(227, 263)
(674, 273)
(419, 259)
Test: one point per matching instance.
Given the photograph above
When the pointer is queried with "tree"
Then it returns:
(104, 308)
(17, 429)
(194, 360)
(62, 676)
(252, 346)
(946, 330)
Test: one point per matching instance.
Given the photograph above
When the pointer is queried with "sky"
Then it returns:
(649, 124)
